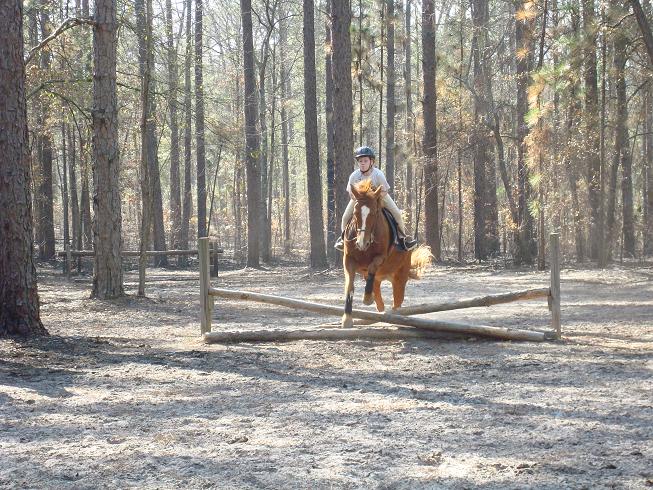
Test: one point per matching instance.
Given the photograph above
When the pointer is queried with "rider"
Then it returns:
(366, 170)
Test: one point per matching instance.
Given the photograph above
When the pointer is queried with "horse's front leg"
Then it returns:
(350, 274)
(368, 298)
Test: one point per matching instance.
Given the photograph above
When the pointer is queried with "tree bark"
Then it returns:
(175, 188)
(390, 97)
(621, 157)
(144, 31)
(648, 155)
(332, 220)
(152, 197)
(44, 198)
(20, 313)
(572, 158)
(591, 114)
(200, 150)
(342, 100)
(252, 146)
(85, 200)
(430, 142)
(266, 230)
(486, 237)
(74, 198)
(524, 243)
(187, 203)
(285, 98)
(314, 180)
(107, 226)
(410, 117)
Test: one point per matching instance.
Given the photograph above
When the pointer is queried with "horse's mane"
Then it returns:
(365, 186)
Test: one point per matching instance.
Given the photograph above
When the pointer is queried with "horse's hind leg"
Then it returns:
(350, 274)
(399, 289)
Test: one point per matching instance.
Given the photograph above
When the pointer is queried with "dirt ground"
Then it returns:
(125, 394)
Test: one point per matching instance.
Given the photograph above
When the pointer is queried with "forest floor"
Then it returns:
(125, 394)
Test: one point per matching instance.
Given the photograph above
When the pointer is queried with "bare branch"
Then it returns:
(67, 24)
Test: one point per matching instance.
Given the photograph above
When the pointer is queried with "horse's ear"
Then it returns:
(378, 193)
(355, 193)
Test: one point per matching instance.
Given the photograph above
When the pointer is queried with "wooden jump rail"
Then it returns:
(426, 326)
(68, 255)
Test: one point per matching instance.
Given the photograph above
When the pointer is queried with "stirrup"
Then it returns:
(409, 243)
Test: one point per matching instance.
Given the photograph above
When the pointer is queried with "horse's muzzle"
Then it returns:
(363, 244)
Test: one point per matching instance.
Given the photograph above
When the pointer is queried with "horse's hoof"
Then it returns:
(368, 300)
(347, 322)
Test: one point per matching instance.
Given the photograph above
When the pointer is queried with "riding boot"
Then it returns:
(340, 243)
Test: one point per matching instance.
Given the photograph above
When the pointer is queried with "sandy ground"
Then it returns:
(124, 394)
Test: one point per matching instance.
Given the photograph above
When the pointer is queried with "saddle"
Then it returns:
(394, 230)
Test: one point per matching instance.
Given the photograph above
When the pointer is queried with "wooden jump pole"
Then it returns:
(369, 333)
(480, 301)
(393, 318)
(554, 297)
(206, 301)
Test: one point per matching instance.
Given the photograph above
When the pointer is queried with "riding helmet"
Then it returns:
(364, 151)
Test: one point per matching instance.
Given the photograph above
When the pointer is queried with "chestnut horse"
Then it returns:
(369, 250)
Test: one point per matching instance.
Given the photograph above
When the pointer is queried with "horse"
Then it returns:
(370, 251)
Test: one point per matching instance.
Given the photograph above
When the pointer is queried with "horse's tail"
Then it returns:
(420, 259)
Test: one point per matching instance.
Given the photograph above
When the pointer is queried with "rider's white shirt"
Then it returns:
(376, 175)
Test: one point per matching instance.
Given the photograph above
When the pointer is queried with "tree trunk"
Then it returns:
(85, 200)
(187, 204)
(390, 98)
(342, 100)
(74, 198)
(591, 114)
(572, 158)
(285, 98)
(152, 196)
(381, 67)
(20, 314)
(144, 32)
(429, 106)
(603, 246)
(44, 198)
(314, 180)
(252, 147)
(200, 150)
(175, 189)
(486, 237)
(524, 237)
(621, 155)
(266, 242)
(65, 203)
(107, 226)
(332, 220)
(648, 152)
(410, 118)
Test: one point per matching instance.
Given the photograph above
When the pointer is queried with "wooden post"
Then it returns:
(206, 302)
(214, 258)
(554, 304)
(67, 260)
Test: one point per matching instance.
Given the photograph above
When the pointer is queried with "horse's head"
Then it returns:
(368, 205)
